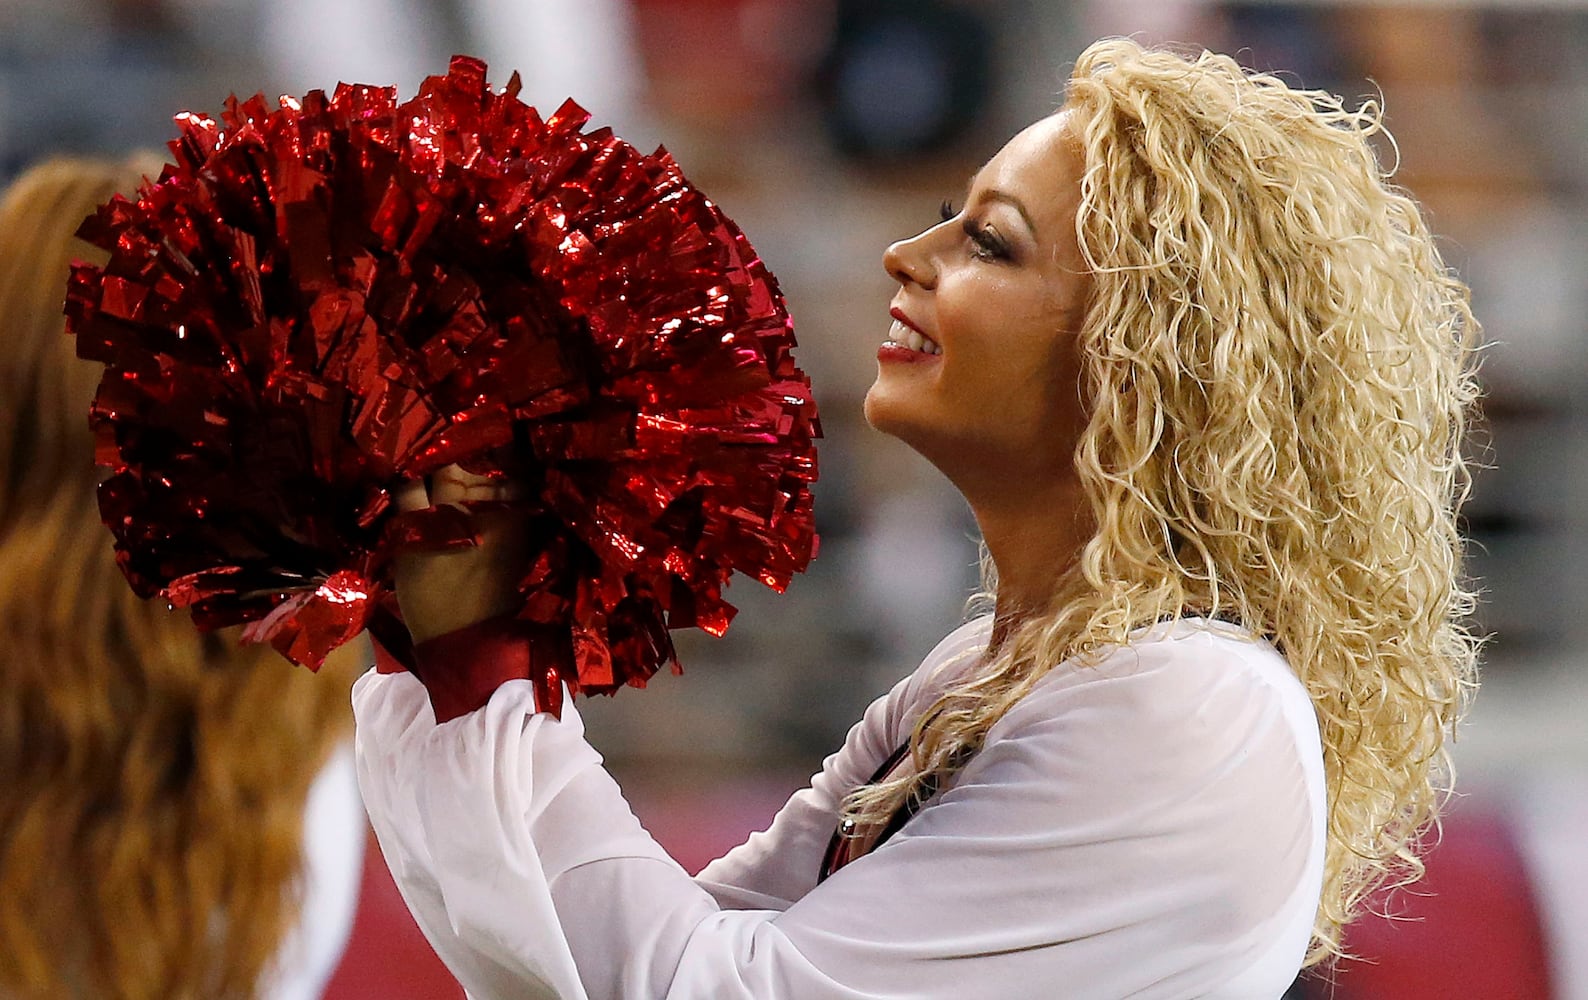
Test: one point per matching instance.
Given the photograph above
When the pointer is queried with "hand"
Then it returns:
(441, 592)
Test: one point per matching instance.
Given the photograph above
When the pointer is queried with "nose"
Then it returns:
(909, 262)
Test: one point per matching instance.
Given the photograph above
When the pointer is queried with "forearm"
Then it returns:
(517, 852)
(527, 871)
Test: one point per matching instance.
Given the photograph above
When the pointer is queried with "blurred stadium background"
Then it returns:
(829, 128)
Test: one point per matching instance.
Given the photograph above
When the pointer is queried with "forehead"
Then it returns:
(1041, 166)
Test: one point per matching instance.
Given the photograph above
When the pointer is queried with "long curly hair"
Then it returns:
(151, 815)
(1279, 369)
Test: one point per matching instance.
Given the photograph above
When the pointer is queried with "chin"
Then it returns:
(880, 412)
(892, 416)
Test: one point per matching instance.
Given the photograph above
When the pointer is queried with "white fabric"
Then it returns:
(1149, 826)
(1551, 815)
(333, 860)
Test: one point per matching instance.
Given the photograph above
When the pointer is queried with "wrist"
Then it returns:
(443, 591)
(462, 668)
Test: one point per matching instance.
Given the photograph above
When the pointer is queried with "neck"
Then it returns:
(1035, 535)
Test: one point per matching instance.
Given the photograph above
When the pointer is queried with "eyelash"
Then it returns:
(988, 245)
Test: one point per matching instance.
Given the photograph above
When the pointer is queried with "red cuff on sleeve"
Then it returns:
(385, 662)
(461, 670)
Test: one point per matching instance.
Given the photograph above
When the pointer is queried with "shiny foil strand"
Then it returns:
(323, 300)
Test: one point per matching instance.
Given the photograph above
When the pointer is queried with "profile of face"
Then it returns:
(981, 370)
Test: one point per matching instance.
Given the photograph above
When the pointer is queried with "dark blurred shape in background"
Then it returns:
(903, 77)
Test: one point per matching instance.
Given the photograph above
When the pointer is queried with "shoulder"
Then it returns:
(1189, 704)
(1196, 721)
(1192, 752)
(1191, 728)
(1191, 679)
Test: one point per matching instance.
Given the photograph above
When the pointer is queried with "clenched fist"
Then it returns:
(440, 592)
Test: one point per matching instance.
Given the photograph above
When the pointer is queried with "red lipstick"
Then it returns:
(901, 354)
(899, 315)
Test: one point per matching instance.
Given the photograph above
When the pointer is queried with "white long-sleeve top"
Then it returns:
(1151, 825)
(328, 886)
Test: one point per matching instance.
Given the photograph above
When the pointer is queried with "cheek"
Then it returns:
(1027, 381)
(1001, 337)
(1066, 391)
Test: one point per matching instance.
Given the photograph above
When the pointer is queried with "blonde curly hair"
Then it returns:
(1279, 370)
(151, 816)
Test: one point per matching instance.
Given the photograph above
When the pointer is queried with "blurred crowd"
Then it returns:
(827, 129)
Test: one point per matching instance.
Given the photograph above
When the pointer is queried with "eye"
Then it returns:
(946, 211)
(986, 243)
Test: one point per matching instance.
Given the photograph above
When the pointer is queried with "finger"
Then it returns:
(412, 495)
(452, 484)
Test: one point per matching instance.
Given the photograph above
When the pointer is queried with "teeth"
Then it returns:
(903, 335)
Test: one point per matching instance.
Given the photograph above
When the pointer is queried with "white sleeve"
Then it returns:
(328, 887)
(1133, 829)
(773, 869)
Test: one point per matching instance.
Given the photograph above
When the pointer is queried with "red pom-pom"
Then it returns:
(321, 302)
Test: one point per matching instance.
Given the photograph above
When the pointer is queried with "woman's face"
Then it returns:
(981, 372)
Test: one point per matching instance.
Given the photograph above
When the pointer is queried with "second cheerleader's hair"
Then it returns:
(1279, 371)
(151, 819)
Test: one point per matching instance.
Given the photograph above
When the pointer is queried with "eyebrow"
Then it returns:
(994, 194)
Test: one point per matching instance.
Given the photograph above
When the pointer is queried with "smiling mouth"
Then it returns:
(904, 336)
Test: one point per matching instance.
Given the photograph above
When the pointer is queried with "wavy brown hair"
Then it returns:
(151, 816)
(1278, 366)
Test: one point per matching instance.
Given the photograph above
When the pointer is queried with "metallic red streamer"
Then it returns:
(319, 302)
